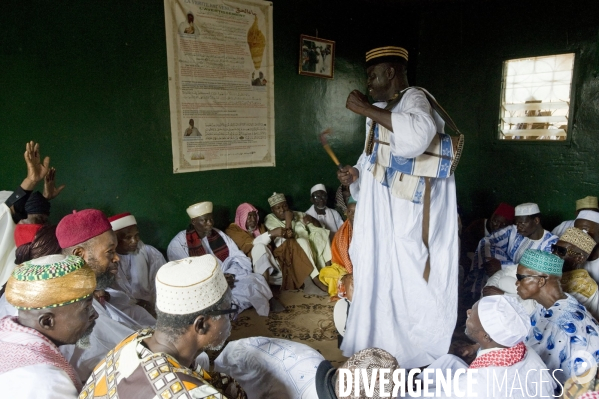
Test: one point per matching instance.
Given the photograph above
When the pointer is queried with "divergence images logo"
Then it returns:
(583, 361)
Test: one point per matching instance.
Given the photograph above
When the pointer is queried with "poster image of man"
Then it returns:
(188, 27)
(316, 57)
(192, 131)
(260, 80)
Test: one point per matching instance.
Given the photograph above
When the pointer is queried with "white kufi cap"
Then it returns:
(318, 187)
(504, 319)
(527, 209)
(199, 209)
(589, 215)
(189, 285)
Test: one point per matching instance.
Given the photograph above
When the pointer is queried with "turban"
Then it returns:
(587, 203)
(25, 233)
(49, 282)
(579, 239)
(589, 215)
(318, 187)
(241, 216)
(505, 210)
(527, 209)
(199, 209)
(386, 54)
(37, 204)
(122, 220)
(504, 319)
(189, 285)
(276, 198)
(543, 262)
(327, 377)
(81, 226)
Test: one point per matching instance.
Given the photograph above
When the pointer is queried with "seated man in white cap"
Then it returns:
(53, 295)
(200, 238)
(328, 218)
(588, 221)
(505, 366)
(307, 231)
(574, 247)
(271, 367)
(506, 246)
(194, 311)
(584, 204)
(562, 330)
(88, 234)
(138, 264)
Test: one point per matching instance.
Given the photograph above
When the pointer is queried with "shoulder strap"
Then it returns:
(439, 109)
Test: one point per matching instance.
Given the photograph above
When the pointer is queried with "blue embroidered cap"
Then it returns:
(543, 262)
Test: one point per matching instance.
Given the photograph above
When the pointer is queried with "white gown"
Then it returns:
(250, 289)
(7, 243)
(137, 272)
(393, 307)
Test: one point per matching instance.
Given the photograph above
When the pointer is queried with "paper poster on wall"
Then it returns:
(221, 83)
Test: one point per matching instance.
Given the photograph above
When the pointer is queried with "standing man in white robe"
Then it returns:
(328, 218)
(200, 238)
(138, 262)
(389, 256)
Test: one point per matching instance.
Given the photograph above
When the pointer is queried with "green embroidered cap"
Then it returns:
(543, 262)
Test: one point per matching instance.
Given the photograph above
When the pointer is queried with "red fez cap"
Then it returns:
(505, 210)
(81, 226)
(25, 233)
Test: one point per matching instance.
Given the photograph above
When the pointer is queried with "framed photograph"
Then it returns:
(317, 57)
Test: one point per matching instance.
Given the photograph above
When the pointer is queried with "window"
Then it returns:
(535, 98)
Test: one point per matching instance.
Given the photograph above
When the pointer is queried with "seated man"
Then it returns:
(342, 265)
(574, 247)
(585, 204)
(560, 326)
(328, 218)
(505, 366)
(506, 246)
(287, 265)
(481, 228)
(258, 364)
(88, 234)
(53, 295)
(138, 262)
(305, 229)
(588, 221)
(194, 311)
(200, 238)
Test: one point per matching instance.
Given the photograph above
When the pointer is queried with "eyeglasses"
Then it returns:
(562, 251)
(521, 277)
(232, 312)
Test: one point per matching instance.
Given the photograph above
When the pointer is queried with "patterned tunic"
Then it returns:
(564, 336)
(132, 370)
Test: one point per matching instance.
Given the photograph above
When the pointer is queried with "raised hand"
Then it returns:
(347, 175)
(36, 170)
(357, 102)
(50, 190)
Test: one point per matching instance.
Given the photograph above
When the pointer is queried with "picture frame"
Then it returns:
(316, 57)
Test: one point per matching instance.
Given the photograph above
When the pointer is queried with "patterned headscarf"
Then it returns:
(241, 217)
(369, 359)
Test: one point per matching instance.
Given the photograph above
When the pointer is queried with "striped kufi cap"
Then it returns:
(189, 285)
(50, 281)
(579, 238)
(543, 262)
(386, 54)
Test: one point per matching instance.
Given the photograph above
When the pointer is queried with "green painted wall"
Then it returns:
(88, 80)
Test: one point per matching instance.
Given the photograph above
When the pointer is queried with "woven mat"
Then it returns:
(308, 319)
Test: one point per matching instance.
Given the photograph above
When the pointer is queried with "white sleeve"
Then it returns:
(413, 127)
(494, 279)
(39, 381)
(263, 239)
(177, 249)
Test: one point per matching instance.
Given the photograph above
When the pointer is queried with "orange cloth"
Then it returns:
(340, 246)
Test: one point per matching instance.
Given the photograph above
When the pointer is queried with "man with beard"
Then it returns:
(194, 309)
(588, 221)
(328, 218)
(138, 262)
(88, 234)
(53, 295)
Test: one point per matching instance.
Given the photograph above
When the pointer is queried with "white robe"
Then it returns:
(505, 279)
(592, 266)
(393, 307)
(250, 289)
(38, 381)
(562, 227)
(137, 272)
(517, 383)
(331, 220)
(7, 244)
